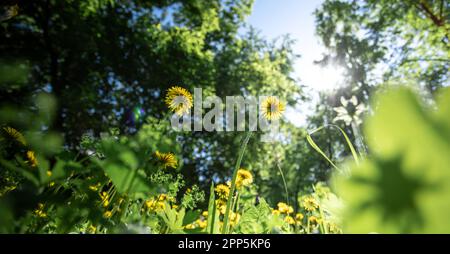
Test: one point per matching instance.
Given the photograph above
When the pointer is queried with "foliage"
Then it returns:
(403, 187)
(111, 182)
(109, 63)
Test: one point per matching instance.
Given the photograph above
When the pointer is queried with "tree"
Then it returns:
(104, 60)
(380, 43)
(366, 37)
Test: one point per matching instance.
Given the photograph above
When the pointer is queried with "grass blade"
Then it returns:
(211, 211)
(317, 148)
(349, 143)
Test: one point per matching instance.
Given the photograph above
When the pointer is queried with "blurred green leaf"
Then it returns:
(47, 106)
(403, 187)
(46, 143)
(13, 75)
(121, 165)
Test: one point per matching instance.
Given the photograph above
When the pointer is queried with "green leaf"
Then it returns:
(403, 186)
(127, 180)
(257, 219)
(173, 219)
(190, 217)
(121, 166)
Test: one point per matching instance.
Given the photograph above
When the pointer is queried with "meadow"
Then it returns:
(90, 92)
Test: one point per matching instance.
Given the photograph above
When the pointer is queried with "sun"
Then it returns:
(316, 79)
(326, 78)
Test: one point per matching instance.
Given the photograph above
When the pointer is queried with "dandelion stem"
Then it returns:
(284, 183)
(233, 182)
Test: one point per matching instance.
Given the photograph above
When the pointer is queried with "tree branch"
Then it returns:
(436, 20)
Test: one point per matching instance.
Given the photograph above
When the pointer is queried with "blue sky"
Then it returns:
(274, 18)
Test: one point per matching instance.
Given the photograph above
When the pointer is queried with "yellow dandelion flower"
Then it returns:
(289, 220)
(92, 229)
(333, 228)
(310, 204)
(299, 217)
(290, 210)
(174, 207)
(15, 134)
(155, 205)
(222, 191)
(284, 208)
(276, 212)
(222, 209)
(272, 108)
(150, 204)
(201, 223)
(166, 160)
(313, 220)
(221, 205)
(234, 218)
(205, 214)
(104, 195)
(189, 226)
(107, 214)
(221, 202)
(31, 159)
(105, 198)
(164, 197)
(94, 187)
(160, 205)
(179, 100)
(40, 211)
(244, 178)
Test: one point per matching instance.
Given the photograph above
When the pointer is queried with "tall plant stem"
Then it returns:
(359, 140)
(233, 182)
(284, 182)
